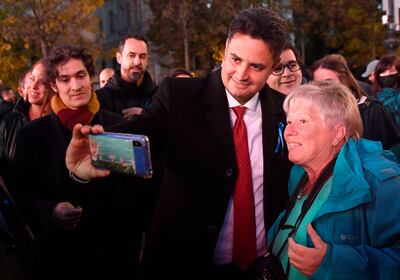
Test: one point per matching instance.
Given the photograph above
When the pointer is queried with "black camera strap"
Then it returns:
(322, 179)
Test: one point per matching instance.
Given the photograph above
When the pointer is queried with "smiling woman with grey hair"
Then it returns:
(341, 221)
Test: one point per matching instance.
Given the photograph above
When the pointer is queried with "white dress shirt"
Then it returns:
(253, 120)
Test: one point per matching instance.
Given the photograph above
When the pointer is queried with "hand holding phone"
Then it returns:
(77, 158)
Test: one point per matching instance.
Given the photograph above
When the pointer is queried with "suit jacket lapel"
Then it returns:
(272, 114)
(216, 109)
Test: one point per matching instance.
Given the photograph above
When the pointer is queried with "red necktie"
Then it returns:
(244, 225)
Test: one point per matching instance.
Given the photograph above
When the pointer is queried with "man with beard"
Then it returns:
(131, 88)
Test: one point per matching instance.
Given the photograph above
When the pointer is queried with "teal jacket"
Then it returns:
(360, 220)
(390, 98)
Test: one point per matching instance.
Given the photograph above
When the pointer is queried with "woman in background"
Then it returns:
(387, 84)
(377, 123)
(36, 105)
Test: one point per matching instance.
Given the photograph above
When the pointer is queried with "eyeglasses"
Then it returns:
(293, 66)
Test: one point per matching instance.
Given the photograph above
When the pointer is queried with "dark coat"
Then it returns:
(189, 123)
(5, 107)
(11, 123)
(366, 87)
(118, 94)
(378, 124)
(18, 253)
(9, 126)
(106, 242)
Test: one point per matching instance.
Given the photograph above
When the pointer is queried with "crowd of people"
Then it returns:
(262, 169)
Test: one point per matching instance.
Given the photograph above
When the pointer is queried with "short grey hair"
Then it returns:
(334, 101)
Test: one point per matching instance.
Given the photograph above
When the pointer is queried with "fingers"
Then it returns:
(293, 247)
(295, 262)
(76, 132)
(66, 215)
(97, 172)
(299, 257)
(317, 241)
(80, 130)
(304, 259)
(65, 210)
(293, 257)
(86, 130)
(77, 157)
(96, 129)
(74, 212)
(126, 113)
(129, 112)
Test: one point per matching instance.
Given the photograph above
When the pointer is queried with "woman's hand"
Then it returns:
(304, 259)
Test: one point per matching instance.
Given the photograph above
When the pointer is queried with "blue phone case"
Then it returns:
(123, 153)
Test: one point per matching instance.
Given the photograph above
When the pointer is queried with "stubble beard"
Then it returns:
(134, 77)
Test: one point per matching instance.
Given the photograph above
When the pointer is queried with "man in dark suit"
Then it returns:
(193, 124)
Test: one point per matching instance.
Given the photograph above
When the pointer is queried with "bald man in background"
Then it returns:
(105, 75)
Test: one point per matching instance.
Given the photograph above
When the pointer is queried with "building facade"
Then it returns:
(392, 9)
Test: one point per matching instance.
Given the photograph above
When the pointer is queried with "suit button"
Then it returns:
(229, 172)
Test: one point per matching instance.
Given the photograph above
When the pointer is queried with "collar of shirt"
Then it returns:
(250, 105)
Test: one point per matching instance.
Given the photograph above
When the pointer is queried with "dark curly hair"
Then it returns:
(61, 55)
(261, 23)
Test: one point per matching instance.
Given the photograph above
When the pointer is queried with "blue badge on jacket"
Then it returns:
(280, 144)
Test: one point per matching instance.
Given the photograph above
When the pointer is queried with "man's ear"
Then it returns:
(20, 91)
(340, 134)
(226, 46)
(53, 87)
(118, 56)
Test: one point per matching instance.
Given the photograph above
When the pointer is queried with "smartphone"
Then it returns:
(122, 153)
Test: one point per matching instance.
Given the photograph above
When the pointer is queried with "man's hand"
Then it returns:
(77, 157)
(129, 112)
(67, 215)
(304, 259)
